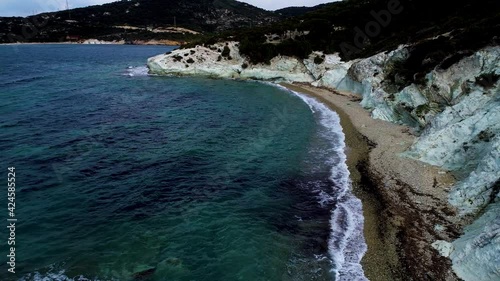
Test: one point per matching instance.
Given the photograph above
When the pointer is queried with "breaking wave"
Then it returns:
(346, 244)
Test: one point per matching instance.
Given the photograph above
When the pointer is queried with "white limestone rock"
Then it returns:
(476, 254)
(317, 70)
(200, 61)
(411, 96)
(280, 68)
(476, 191)
(466, 138)
(203, 61)
(365, 77)
(336, 78)
(450, 83)
(444, 248)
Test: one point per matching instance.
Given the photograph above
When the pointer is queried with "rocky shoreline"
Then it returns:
(435, 161)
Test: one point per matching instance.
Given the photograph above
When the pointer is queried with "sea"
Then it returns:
(122, 175)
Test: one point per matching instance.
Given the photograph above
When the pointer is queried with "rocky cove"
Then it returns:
(440, 198)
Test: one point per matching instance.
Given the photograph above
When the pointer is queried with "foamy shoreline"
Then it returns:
(346, 244)
(403, 187)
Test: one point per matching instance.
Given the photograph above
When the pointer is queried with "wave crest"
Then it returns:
(346, 244)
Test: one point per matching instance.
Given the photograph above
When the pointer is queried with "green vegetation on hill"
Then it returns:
(440, 32)
(207, 16)
(361, 28)
(298, 11)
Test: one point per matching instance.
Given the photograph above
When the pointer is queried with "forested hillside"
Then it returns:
(442, 32)
(135, 19)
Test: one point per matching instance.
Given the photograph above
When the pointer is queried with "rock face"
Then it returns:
(225, 61)
(101, 42)
(476, 254)
(455, 110)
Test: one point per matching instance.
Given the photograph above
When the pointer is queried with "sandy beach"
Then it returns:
(404, 200)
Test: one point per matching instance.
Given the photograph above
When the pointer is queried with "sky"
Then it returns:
(29, 7)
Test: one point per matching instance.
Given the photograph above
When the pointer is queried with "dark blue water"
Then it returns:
(125, 176)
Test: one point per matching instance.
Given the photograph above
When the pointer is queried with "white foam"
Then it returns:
(137, 71)
(55, 272)
(53, 276)
(346, 244)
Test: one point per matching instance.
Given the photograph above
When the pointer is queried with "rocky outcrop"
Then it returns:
(457, 113)
(101, 42)
(455, 110)
(225, 61)
(476, 254)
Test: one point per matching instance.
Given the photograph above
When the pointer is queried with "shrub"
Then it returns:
(190, 60)
(177, 58)
(219, 58)
(244, 65)
(485, 136)
(226, 51)
(422, 110)
(257, 52)
(318, 60)
(487, 80)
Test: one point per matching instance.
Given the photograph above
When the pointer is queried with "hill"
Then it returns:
(441, 33)
(135, 20)
(298, 11)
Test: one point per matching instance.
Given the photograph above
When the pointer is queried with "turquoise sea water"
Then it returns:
(125, 176)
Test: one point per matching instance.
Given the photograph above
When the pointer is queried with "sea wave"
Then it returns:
(54, 276)
(136, 71)
(24, 80)
(346, 244)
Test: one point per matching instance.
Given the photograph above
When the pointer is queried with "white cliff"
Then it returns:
(213, 62)
(458, 112)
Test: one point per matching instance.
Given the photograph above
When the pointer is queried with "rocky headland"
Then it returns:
(434, 161)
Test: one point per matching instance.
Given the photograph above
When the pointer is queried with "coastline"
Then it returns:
(139, 43)
(404, 201)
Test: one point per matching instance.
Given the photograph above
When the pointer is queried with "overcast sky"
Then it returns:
(29, 7)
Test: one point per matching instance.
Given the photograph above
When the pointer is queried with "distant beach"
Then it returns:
(98, 42)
